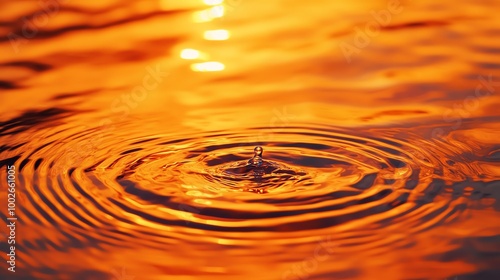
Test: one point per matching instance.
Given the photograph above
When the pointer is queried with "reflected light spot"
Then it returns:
(216, 35)
(209, 14)
(224, 241)
(210, 66)
(203, 201)
(190, 54)
(213, 2)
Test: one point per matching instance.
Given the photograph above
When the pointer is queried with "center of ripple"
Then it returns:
(256, 174)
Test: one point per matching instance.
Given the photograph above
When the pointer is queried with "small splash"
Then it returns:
(256, 174)
(256, 160)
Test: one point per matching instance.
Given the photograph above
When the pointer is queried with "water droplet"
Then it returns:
(256, 160)
(258, 151)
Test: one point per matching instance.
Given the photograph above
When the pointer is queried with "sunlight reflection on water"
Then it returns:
(131, 126)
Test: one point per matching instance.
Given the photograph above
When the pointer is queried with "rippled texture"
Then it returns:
(131, 128)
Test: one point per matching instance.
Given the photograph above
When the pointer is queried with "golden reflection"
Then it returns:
(213, 2)
(131, 125)
(190, 54)
(209, 14)
(210, 66)
(205, 202)
(216, 35)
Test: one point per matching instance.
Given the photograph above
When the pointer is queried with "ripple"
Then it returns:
(326, 177)
(162, 191)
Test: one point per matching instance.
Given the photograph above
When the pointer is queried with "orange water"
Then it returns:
(122, 119)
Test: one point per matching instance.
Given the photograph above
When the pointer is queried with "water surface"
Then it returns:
(131, 128)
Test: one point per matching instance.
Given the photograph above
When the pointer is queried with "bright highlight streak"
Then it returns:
(217, 11)
(211, 66)
(209, 14)
(216, 35)
(213, 2)
(190, 54)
